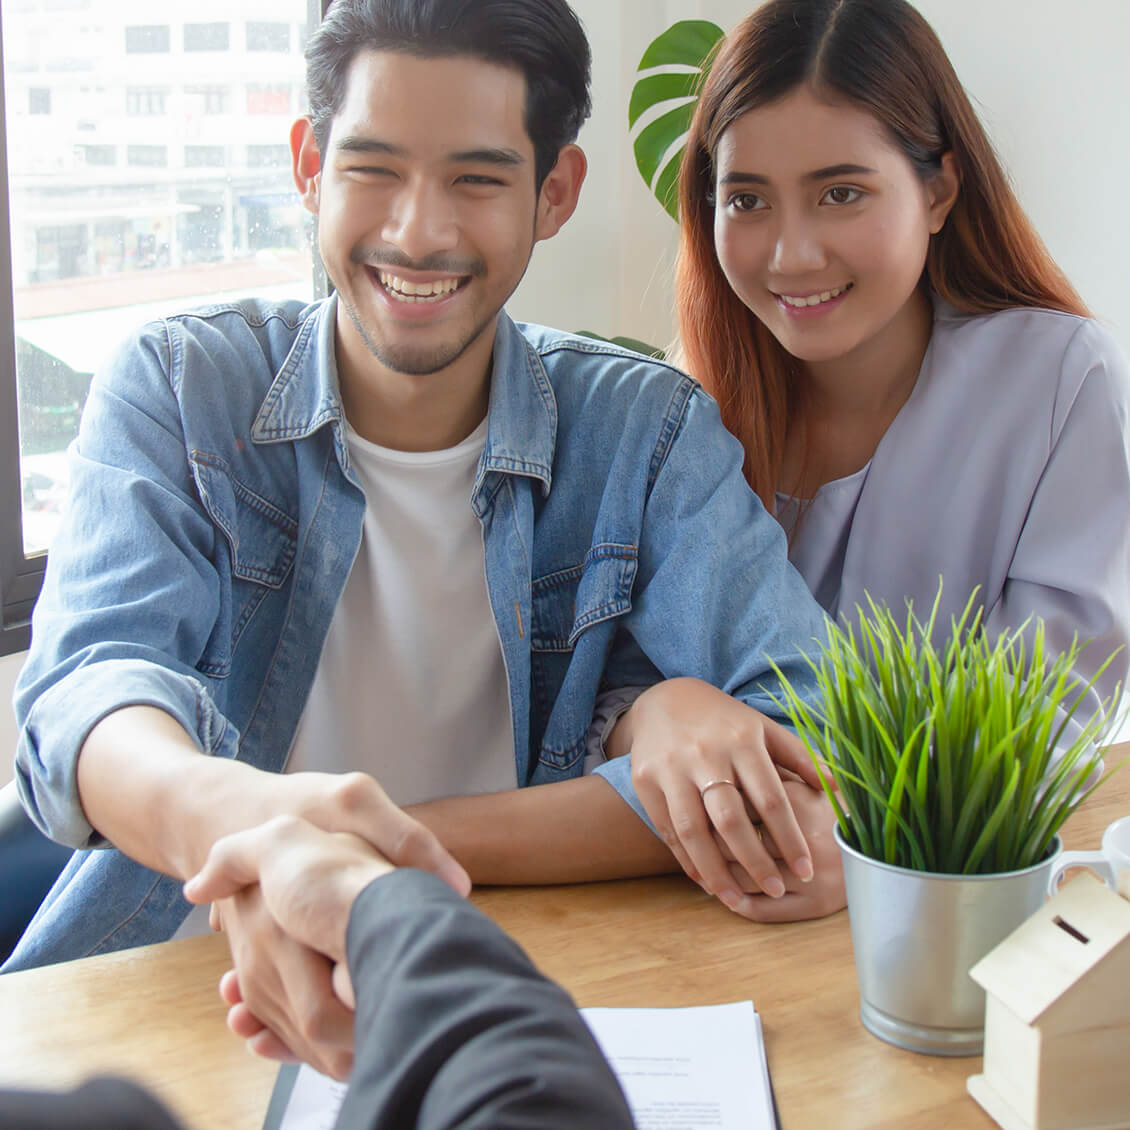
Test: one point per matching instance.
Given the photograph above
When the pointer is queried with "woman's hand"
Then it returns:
(706, 765)
(825, 894)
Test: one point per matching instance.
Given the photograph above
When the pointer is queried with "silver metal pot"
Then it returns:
(916, 935)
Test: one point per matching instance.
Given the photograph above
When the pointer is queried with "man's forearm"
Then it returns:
(145, 787)
(570, 832)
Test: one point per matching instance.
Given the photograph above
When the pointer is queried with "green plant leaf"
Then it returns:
(653, 89)
(951, 753)
(666, 189)
(654, 141)
(659, 145)
(686, 43)
(632, 343)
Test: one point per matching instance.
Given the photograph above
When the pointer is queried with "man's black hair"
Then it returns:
(543, 39)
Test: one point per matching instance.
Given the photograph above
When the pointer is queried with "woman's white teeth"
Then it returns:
(814, 299)
(418, 292)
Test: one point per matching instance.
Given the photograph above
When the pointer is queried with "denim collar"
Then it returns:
(304, 396)
(522, 432)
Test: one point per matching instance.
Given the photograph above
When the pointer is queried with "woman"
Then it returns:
(917, 386)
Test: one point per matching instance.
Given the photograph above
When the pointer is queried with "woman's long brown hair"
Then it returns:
(882, 56)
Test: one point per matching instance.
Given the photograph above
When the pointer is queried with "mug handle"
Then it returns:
(1095, 861)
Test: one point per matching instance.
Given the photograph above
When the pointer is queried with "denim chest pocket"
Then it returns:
(259, 543)
(570, 601)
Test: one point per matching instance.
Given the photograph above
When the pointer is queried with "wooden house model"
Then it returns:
(1057, 1019)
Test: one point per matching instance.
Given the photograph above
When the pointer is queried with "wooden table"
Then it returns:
(153, 1013)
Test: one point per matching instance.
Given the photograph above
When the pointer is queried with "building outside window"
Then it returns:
(267, 98)
(207, 37)
(104, 155)
(208, 99)
(146, 100)
(147, 156)
(204, 156)
(265, 35)
(268, 157)
(147, 39)
(137, 186)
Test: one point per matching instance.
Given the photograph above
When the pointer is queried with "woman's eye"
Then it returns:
(745, 202)
(841, 194)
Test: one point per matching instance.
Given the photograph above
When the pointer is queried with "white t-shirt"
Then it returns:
(411, 686)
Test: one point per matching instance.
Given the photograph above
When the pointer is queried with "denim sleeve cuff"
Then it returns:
(618, 773)
(64, 714)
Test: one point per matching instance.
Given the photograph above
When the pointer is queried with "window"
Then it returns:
(99, 155)
(267, 99)
(108, 211)
(207, 37)
(142, 100)
(263, 36)
(208, 99)
(147, 39)
(268, 157)
(204, 157)
(147, 156)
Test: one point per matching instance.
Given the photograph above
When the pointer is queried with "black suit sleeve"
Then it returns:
(101, 1104)
(456, 1028)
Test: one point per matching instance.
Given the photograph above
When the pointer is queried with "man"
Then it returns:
(455, 1027)
(390, 537)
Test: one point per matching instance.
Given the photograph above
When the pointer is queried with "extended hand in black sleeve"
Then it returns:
(456, 1028)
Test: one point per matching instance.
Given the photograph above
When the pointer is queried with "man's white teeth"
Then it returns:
(814, 299)
(418, 292)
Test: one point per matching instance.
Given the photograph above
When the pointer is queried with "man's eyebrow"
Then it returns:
(829, 171)
(485, 156)
(353, 144)
(507, 157)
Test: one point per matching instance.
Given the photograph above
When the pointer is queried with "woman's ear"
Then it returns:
(942, 191)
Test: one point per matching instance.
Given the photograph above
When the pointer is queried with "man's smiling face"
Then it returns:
(427, 209)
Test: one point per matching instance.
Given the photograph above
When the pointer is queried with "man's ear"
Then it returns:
(560, 191)
(943, 189)
(306, 163)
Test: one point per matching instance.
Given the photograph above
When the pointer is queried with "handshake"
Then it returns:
(287, 887)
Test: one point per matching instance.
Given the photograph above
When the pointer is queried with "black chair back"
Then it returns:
(29, 865)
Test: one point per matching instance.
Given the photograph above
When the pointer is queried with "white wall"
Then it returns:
(1050, 80)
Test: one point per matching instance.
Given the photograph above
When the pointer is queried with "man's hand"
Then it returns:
(150, 792)
(285, 892)
(701, 762)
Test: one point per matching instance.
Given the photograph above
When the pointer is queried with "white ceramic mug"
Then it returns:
(1107, 863)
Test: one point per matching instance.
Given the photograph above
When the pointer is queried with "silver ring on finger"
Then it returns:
(715, 783)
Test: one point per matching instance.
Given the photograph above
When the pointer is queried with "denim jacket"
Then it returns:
(215, 519)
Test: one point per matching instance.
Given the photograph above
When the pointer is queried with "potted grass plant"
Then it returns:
(951, 760)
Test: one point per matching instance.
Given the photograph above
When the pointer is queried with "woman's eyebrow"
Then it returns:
(828, 171)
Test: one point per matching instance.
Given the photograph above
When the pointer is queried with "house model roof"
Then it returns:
(1080, 941)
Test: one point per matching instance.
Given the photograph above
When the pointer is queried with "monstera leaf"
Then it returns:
(671, 70)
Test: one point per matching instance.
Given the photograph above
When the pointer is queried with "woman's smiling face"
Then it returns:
(822, 227)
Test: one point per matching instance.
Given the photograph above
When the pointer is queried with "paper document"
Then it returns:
(680, 1068)
(688, 1068)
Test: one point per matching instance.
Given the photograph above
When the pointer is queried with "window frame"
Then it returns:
(21, 575)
